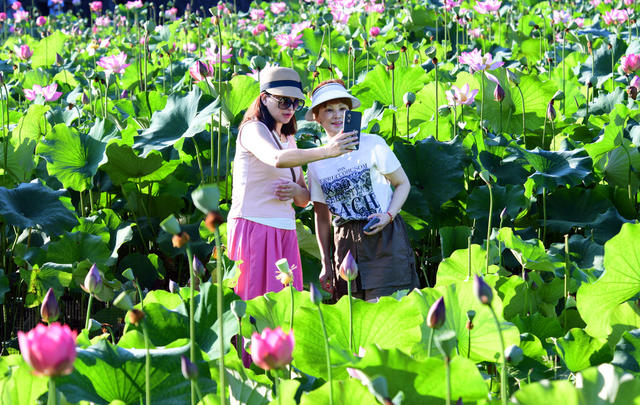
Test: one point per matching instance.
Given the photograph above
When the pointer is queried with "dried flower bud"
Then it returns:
(632, 91)
(135, 316)
(179, 240)
(213, 220)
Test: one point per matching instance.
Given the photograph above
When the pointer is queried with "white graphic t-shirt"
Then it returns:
(353, 185)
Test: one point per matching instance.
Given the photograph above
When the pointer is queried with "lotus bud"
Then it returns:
(213, 220)
(470, 315)
(374, 31)
(512, 78)
(498, 93)
(436, 315)
(124, 93)
(348, 268)
(49, 310)
(316, 295)
(189, 370)
(180, 240)
(93, 280)
(409, 98)
(239, 308)
(252, 320)
(198, 268)
(174, 288)
(85, 98)
(503, 214)
(482, 290)
(513, 354)
(59, 59)
(135, 316)
(551, 111)
(49, 350)
(272, 349)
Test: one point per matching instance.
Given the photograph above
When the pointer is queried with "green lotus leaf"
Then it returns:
(600, 64)
(181, 117)
(345, 392)
(622, 167)
(627, 351)
(377, 84)
(274, 309)
(124, 165)
(20, 161)
(529, 253)
(18, 386)
(44, 52)
(72, 157)
(579, 351)
(505, 167)
(31, 125)
(612, 135)
(78, 246)
(237, 95)
(456, 267)
(545, 392)
(32, 205)
(105, 373)
(453, 238)
(568, 208)
(597, 301)
(40, 279)
(510, 197)
(556, 169)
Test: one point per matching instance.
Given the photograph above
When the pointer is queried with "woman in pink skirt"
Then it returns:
(267, 178)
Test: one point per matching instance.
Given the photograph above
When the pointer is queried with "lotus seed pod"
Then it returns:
(409, 98)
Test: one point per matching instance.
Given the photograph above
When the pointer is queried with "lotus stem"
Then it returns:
(469, 256)
(53, 394)
(221, 384)
(524, 135)
(503, 373)
(147, 364)
(408, 107)
(220, 110)
(291, 319)
(349, 294)
(192, 323)
(330, 53)
(482, 104)
(435, 63)
(544, 214)
(211, 149)
(88, 318)
(328, 355)
(195, 145)
(567, 269)
(430, 344)
(447, 370)
(489, 221)
(227, 164)
(564, 84)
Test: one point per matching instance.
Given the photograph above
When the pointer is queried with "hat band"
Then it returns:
(281, 83)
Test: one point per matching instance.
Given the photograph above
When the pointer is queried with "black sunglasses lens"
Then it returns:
(284, 103)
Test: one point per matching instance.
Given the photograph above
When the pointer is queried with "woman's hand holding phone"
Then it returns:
(373, 227)
(342, 143)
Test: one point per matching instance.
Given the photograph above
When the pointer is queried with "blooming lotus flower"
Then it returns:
(49, 92)
(488, 6)
(16, 6)
(114, 63)
(3, 17)
(290, 41)
(436, 315)
(171, 14)
(189, 47)
(272, 348)
(256, 14)
(284, 273)
(20, 16)
(348, 268)
(213, 55)
(475, 33)
(561, 16)
(374, 32)
(615, 16)
(451, 4)
(258, 29)
(457, 96)
(374, 7)
(41, 20)
(49, 310)
(340, 16)
(50, 351)
(57, 2)
(24, 52)
(130, 5)
(630, 63)
(95, 6)
(477, 62)
(102, 21)
(579, 22)
(297, 28)
(278, 7)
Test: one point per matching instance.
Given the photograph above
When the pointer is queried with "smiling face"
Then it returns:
(279, 115)
(331, 116)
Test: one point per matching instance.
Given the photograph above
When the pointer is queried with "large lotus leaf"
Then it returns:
(462, 264)
(536, 364)
(620, 281)
(376, 85)
(105, 373)
(584, 253)
(555, 169)
(579, 351)
(40, 279)
(545, 392)
(600, 63)
(20, 161)
(387, 323)
(157, 101)
(124, 165)
(18, 386)
(180, 118)
(507, 169)
(72, 157)
(530, 253)
(78, 246)
(568, 208)
(45, 51)
(32, 205)
(627, 351)
(453, 238)
(31, 125)
(458, 299)
(237, 95)
(622, 167)
(510, 197)
(607, 384)
(436, 172)
(345, 392)
(611, 136)
(423, 381)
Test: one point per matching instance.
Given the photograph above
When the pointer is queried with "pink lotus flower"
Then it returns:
(20, 16)
(114, 63)
(189, 47)
(133, 4)
(49, 92)
(476, 61)
(278, 8)
(290, 41)
(213, 55)
(171, 14)
(200, 70)
(374, 32)
(635, 82)
(348, 268)
(16, 6)
(24, 52)
(488, 6)
(475, 33)
(561, 16)
(102, 21)
(57, 2)
(615, 16)
(340, 16)
(272, 349)
(258, 29)
(457, 96)
(451, 4)
(3, 17)
(50, 351)
(95, 6)
(374, 7)
(41, 20)
(256, 14)
(630, 63)
(297, 28)
(579, 22)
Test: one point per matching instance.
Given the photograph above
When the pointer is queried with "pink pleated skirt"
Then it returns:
(257, 247)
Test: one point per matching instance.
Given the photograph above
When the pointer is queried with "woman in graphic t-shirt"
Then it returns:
(353, 189)
(266, 180)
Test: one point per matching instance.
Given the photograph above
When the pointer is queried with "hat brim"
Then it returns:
(328, 96)
(287, 92)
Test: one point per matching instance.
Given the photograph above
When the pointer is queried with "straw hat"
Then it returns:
(329, 91)
(281, 81)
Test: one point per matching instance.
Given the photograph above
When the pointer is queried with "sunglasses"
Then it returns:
(284, 103)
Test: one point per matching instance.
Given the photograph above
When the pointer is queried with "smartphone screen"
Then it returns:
(352, 122)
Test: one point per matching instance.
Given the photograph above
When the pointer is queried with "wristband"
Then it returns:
(390, 216)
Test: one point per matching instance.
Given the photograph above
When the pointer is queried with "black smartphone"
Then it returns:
(370, 224)
(352, 122)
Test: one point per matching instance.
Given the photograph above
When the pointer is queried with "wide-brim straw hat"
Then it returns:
(327, 92)
(281, 81)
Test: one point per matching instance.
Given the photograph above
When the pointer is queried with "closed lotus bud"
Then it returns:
(173, 287)
(503, 213)
(512, 78)
(93, 280)
(513, 354)
(124, 93)
(49, 310)
(213, 220)
(498, 93)
(135, 316)
(348, 268)
(409, 98)
(198, 268)
(85, 98)
(436, 315)
(315, 296)
(59, 59)
(189, 370)
(551, 111)
(215, 20)
(179, 240)
(482, 290)
(252, 320)
(470, 315)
